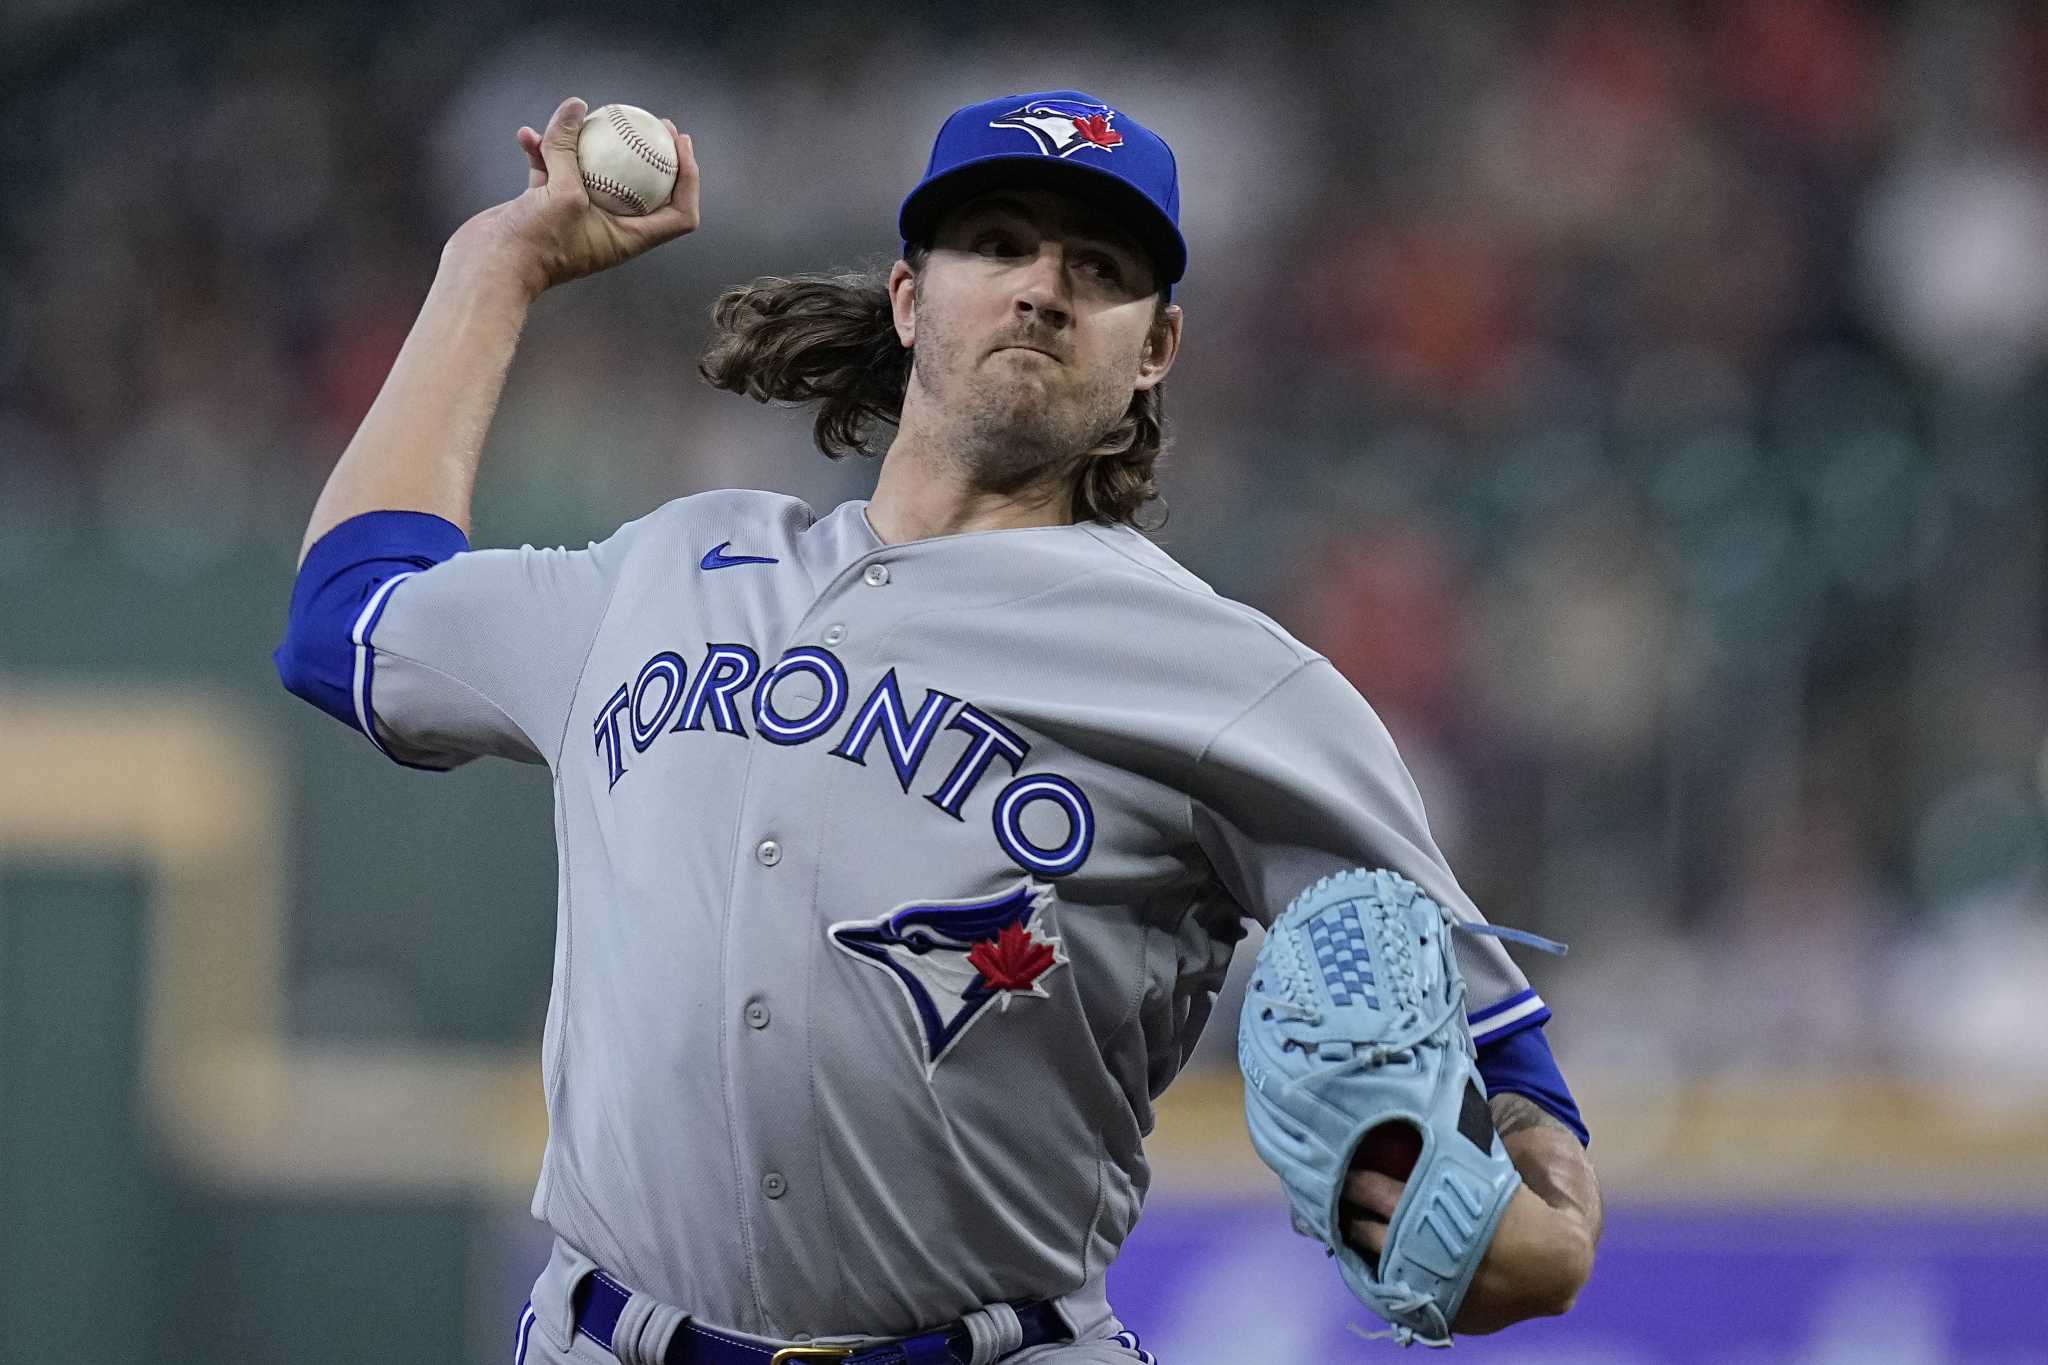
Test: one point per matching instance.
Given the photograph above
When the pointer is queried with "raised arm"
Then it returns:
(417, 450)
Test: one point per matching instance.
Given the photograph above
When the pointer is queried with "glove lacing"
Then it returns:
(1397, 959)
(1403, 1336)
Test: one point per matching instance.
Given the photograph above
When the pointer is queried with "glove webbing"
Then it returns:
(1404, 965)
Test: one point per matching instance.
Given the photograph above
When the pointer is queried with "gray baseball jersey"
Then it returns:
(895, 881)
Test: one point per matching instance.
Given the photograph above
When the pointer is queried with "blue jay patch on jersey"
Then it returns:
(953, 959)
(1063, 127)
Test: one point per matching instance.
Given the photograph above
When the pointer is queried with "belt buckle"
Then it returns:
(794, 1355)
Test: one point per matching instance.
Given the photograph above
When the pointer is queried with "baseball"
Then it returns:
(1392, 1149)
(628, 160)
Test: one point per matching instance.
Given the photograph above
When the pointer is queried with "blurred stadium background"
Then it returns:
(1645, 404)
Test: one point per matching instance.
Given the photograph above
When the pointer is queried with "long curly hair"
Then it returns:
(831, 340)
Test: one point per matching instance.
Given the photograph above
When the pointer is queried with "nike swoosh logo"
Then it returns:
(717, 558)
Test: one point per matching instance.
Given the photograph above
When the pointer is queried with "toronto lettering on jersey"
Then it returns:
(665, 697)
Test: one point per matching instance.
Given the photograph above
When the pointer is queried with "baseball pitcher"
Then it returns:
(903, 849)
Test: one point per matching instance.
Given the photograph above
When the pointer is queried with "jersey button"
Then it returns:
(834, 634)
(773, 1185)
(756, 1014)
(877, 575)
(769, 852)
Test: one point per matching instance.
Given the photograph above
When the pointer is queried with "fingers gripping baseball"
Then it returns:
(1367, 1206)
(555, 230)
(558, 148)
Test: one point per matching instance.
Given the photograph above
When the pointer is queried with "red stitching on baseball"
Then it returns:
(604, 184)
(630, 135)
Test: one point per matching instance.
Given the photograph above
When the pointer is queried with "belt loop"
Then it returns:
(995, 1332)
(645, 1328)
(1085, 1312)
(554, 1293)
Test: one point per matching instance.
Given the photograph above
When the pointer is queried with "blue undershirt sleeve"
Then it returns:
(438, 653)
(1520, 1062)
(341, 589)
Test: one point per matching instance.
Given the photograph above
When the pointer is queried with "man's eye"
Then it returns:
(1104, 268)
(995, 242)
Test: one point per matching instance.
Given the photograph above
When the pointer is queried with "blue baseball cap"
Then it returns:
(1058, 139)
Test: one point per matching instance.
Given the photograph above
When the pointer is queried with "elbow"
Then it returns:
(1538, 1265)
(1573, 1267)
(316, 661)
(294, 670)
(308, 672)
(1556, 1294)
(338, 582)
(1551, 1282)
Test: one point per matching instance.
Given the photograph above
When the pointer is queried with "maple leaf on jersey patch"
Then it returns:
(1013, 960)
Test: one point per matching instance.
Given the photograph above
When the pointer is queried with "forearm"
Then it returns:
(1542, 1253)
(418, 448)
(1551, 1161)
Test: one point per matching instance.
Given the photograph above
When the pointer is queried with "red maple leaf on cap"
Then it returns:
(1013, 960)
(1097, 130)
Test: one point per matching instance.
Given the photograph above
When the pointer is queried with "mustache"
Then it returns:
(1035, 339)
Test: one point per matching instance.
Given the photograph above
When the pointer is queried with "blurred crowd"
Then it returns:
(1645, 404)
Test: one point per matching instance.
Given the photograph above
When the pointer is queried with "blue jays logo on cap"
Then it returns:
(1063, 127)
(952, 959)
(1064, 140)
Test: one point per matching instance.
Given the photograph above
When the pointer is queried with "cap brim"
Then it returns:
(1156, 232)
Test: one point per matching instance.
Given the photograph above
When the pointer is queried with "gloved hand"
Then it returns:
(1356, 1019)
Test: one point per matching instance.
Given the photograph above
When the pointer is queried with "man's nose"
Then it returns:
(1044, 290)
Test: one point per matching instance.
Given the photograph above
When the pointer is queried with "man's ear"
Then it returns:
(1162, 344)
(903, 302)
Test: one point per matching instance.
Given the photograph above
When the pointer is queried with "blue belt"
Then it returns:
(600, 1299)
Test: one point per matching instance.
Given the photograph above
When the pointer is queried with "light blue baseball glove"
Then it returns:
(1356, 1018)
